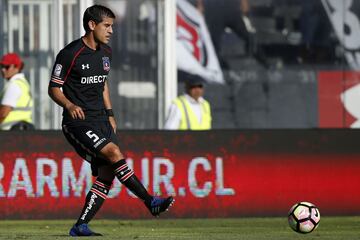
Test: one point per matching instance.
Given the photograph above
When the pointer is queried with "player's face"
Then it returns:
(103, 30)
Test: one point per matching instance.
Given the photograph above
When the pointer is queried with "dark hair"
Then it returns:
(96, 13)
(21, 67)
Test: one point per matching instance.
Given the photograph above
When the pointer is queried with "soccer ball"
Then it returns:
(304, 217)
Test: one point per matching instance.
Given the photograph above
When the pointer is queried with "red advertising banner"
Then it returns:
(339, 95)
(211, 174)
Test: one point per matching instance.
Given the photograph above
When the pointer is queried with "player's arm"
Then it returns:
(108, 106)
(58, 96)
(58, 78)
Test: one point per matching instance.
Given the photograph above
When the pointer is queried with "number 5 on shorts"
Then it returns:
(92, 135)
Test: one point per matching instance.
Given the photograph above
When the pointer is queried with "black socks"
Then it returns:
(100, 189)
(127, 177)
(94, 199)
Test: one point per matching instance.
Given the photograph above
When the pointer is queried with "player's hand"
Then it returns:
(113, 123)
(75, 111)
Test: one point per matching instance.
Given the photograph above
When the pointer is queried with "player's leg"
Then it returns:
(127, 177)
(93, 202)
(82, 143)
(96, 196)
(122, 171)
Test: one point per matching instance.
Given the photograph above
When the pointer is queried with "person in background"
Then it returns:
(232, 14)
(317, 42)
(79, 84)
(190, 111)
(16, 100)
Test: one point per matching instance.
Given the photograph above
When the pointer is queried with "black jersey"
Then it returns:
(82, 72)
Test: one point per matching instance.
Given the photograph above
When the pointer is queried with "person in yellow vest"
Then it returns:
(16, 100)
(190, 111)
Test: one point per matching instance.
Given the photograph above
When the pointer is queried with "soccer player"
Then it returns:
(81, 70)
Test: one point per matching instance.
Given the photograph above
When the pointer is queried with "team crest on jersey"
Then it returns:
(57, 70)
(106, 63)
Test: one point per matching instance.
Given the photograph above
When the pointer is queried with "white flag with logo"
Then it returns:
(195, 51)
(344, 16)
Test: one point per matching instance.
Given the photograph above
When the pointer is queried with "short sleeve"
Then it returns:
(61, 68)
(173, 119)
(11, 95)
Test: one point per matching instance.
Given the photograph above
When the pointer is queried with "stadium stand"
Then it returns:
(277, 91)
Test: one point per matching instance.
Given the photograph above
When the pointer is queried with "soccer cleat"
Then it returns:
(82, 230)
(158, 205)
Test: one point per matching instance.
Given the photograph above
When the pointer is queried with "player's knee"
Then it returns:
(114, 154)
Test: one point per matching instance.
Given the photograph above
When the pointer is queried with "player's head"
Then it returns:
(11, 64)
(194, 86)
(99, 19)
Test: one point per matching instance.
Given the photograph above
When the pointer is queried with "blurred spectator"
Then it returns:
(316, 29)
(190, 111)
(233, 14)
(16, 100)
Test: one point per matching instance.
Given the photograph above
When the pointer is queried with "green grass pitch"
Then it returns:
(336, 228)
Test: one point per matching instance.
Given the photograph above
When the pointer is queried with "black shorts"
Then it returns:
(88, 138)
